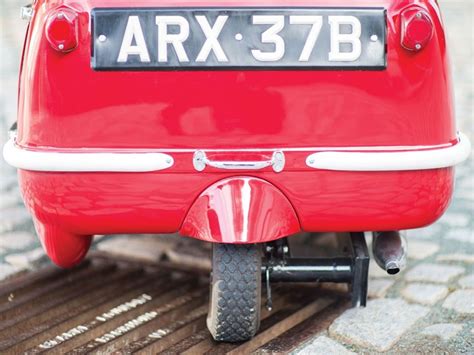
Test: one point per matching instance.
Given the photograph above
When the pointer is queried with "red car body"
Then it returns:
(66, 107)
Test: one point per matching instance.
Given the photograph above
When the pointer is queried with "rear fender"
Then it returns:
(241, 210)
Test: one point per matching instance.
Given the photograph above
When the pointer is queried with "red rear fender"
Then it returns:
(241, 210)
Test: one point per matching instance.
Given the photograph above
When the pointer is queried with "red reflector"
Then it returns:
(62, 30)
(417, 29)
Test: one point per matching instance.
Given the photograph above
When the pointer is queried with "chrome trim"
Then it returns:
(307, 149)
(362, 159)
(277, 162)
(27, 12)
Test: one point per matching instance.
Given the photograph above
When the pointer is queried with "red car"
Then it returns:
(238, 123)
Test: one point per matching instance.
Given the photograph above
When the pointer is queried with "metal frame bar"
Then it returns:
(352, 270)
(360, 274)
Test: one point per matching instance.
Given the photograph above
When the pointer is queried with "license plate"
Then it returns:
(252, 38)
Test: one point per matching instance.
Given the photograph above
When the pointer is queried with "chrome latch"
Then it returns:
(277, 162)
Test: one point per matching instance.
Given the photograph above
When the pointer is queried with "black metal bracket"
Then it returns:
(360, 270)
(352, 269)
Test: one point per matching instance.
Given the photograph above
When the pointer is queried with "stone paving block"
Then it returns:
(13, 217)
(369, 238)
(7, 178)
(9, 199)
(467, 281)
(379, 325)
(464, 194)
(378, 288)
(7, 270)
(16, 240)
(433, 273)
(462, 301)
(424, 293)
(467, 184)
(464, 235)
(464, 258)
(444, 331)
(141, 247)
(430, 232)
(453, 219)
(421, 250)
(323, 345)
(27, 260)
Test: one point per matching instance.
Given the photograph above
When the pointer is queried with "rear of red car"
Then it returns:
(233, 122)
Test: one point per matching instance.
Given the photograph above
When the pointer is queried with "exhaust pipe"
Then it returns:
(390, 251)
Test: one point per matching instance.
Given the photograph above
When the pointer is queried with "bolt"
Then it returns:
(61, 46)
(311, 161)
(60, 16)
(168, 161)
(418, 15)
(418, 46)
(285, 249)
(102, 38)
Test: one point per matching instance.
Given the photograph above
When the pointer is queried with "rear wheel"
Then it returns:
(234, 310)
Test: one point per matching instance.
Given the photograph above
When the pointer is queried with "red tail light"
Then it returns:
(62, 30)
(417, 29)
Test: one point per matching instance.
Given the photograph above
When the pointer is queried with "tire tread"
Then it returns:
(235, 292)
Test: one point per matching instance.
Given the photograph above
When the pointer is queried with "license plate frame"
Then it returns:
(238, 38)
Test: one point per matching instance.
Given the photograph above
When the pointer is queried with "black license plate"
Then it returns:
(258, 38)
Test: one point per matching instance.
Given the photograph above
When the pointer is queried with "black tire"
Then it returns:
(236, 287)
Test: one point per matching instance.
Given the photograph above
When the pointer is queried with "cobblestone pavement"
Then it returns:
(429, 308)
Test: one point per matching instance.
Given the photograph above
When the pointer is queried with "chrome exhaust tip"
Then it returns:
(392, 268)
(390, 251)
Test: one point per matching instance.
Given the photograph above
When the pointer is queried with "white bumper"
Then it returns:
(84, 161)
(388, 159)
